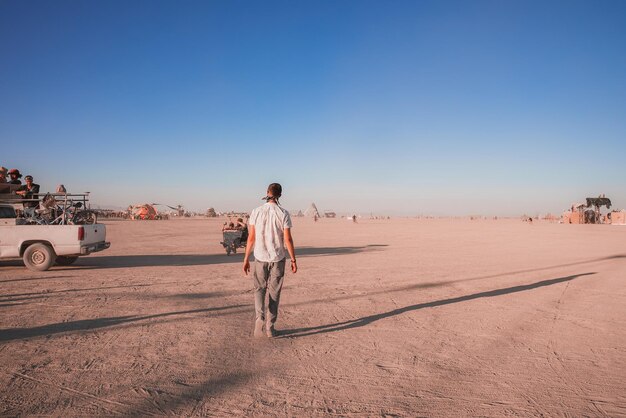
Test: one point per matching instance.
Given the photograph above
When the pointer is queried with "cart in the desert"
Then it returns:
(233, 239)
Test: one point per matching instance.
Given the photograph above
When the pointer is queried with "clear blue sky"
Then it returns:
(493, 107)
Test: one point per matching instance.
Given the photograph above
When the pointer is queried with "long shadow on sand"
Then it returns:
(21, 298)
(366, 320)
(180, 260)
(82, 289)
(10, 334)
(575, 263)
(34, 278)
(368, 293)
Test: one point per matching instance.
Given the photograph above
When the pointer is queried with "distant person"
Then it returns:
(15, 176)
(29, 191)
(61, 189)
(269, 233)
(243, 227)
(4, 185)
(354, 218)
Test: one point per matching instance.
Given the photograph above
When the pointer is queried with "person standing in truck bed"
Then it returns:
(15, 176)
(29, 191)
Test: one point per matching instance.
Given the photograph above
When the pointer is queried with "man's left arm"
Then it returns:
(249, 248)
(291, 249)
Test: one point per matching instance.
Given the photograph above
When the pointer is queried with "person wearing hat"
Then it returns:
(29, 191)
(15, 176)
(269, 232)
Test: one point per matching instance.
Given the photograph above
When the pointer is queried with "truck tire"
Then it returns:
(64, 260)
(39, 257)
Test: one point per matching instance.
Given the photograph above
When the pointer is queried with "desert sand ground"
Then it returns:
(400, 317)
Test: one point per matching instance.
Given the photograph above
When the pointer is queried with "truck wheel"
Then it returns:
(66, 260)
(39, 257)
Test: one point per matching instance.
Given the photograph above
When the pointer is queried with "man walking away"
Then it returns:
(269, 232)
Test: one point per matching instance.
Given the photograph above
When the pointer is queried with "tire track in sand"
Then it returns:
(74, 391)
(557, 364)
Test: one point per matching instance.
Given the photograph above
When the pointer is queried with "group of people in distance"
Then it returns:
(29, 191)
(231, 226)
(240, 226)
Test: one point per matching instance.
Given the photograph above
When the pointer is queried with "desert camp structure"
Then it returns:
(590, 212)
(142, 212)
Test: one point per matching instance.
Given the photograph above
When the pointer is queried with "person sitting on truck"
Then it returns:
(29, 191)
(15, 176)
(4, 186)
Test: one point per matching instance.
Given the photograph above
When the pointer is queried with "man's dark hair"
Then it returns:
(275, 190)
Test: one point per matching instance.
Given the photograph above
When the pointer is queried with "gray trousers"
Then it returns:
(268, 278)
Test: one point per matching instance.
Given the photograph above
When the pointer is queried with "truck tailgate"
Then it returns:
(94, 234)
(93, 238)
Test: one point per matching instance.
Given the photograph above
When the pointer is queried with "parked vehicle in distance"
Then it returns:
(41, 246)
(233, 239)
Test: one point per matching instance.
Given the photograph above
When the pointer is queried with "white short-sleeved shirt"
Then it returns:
(270, 222)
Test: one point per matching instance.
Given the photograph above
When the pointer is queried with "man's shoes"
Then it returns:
(270, 331)
(258, 328)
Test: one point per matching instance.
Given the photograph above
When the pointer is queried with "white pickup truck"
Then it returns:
(40, 246)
